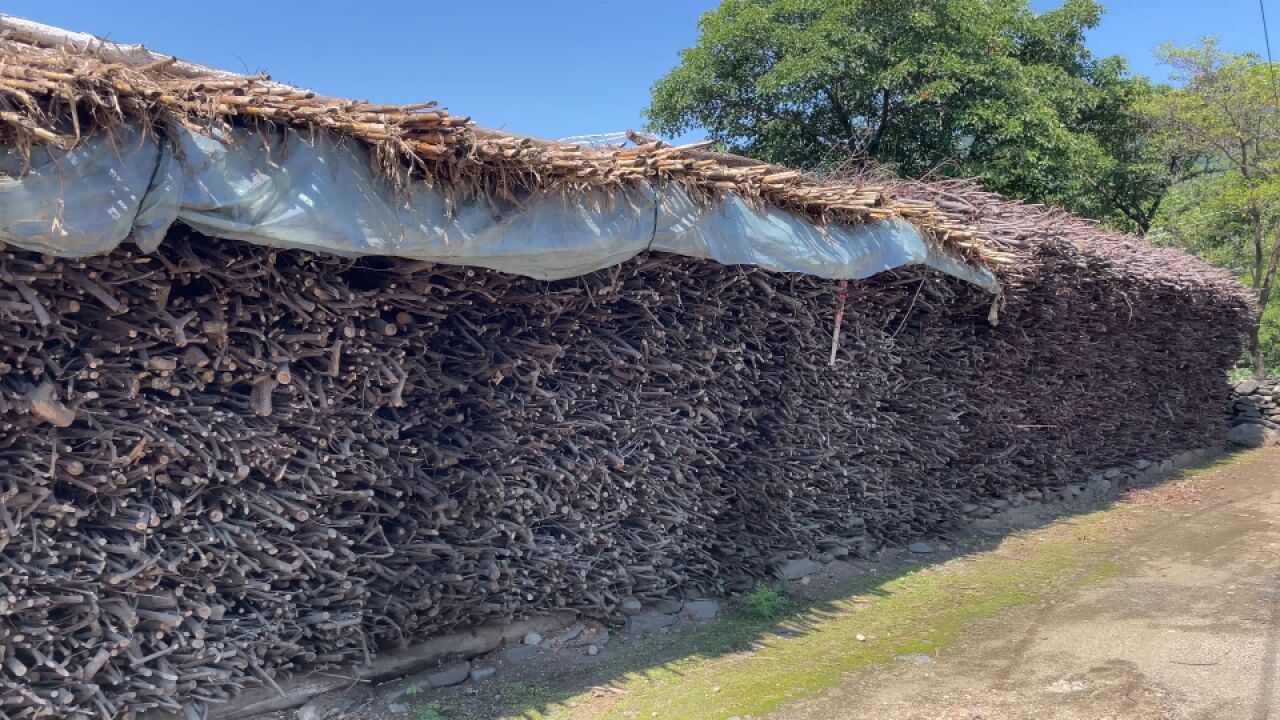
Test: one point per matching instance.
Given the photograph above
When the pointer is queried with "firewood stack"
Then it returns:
(221, 462)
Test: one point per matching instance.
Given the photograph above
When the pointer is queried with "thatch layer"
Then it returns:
(1018, 227)
(57, 95)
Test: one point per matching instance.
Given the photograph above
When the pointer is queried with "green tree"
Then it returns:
(1226, 108)
(972, 87)
(1208, 216)
(1128, 183)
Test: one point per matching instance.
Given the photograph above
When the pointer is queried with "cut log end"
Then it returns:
(46, 406)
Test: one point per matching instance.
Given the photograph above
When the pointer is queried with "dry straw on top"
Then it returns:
(55, 91)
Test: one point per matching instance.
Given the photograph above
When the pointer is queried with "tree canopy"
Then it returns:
(1226, 107)
(973, 87)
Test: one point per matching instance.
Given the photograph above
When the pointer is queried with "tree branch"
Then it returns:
(876, 137)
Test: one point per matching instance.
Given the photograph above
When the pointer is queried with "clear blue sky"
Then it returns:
(549, 68)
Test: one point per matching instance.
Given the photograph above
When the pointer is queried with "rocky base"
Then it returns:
(1255, 413)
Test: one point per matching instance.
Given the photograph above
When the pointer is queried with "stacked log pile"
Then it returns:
(221, 462)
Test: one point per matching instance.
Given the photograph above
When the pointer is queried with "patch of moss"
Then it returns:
(749, 665)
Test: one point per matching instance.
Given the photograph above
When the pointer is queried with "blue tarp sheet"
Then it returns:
(314, 191)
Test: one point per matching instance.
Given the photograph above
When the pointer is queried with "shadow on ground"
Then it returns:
(854, 615)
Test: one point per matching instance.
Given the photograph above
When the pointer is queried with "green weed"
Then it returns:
(766, 602)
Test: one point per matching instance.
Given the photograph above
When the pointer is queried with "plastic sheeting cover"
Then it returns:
(315, 192)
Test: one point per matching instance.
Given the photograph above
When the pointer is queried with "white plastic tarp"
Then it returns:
(314, 191)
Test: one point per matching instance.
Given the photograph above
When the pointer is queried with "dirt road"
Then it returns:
(1186, 627)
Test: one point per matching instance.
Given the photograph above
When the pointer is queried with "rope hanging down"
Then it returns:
(835, 336)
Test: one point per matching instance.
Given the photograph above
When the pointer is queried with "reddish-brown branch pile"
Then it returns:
(222, 462)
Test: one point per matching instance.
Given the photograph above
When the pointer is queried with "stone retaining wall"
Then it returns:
(1255, 413)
